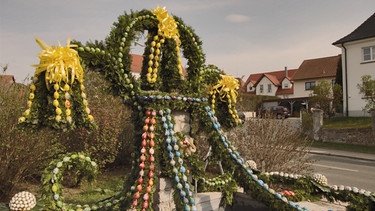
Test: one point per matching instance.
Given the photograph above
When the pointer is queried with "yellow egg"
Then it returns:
(21, 119)
(56, 95)
(66, 87)
(91, 118)
(32, 87)
(55, 103)
(58, 111)
(27, 112)
(150, 63)
(31, 96)
(58, 118)
(68, 112)
(54, 188)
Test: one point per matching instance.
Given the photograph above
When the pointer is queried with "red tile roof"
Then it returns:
(281, 91)
(276, 76)
(317, 68)
(136, 65)
(7, 80)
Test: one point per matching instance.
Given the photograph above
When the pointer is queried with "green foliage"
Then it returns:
(111, 116)
(322, 96)
(307, 122)
(347, 122)
(24, 152)
(79, 163)
(367, 89)
(337, 98)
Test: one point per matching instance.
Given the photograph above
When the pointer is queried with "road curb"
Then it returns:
(369, 158)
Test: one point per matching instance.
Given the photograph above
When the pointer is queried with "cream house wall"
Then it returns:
(286, 84)
(299, 88)
(356, 68)
(265, 82)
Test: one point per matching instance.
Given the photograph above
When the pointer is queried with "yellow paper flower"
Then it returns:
(167, 25)
(227, 88)
(59, 63)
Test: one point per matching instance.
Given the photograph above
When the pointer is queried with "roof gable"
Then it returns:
(277, 76)
(364, 31)
(272, 78)
(317, 68)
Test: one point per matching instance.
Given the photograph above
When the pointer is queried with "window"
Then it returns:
(368, 53)
(261, 88)
(269, 88)
(309, 85)
(286, 85)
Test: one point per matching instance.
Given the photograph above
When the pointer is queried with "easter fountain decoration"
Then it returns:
(57, 98)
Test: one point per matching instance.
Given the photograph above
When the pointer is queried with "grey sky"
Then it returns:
(239, 36)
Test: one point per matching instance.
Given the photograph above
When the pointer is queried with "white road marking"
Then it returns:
(333, 167)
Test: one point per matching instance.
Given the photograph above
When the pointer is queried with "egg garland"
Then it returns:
(56, 88)
(176, 162)
(145, 181)
(53, 176)
(240, 161)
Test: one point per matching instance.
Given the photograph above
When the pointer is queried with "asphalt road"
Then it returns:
(346, 171)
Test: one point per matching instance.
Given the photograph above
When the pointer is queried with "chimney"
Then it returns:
(286, 71)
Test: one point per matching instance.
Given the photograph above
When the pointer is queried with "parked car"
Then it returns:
(280, 112)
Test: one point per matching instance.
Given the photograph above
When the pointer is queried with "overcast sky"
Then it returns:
(239, 36)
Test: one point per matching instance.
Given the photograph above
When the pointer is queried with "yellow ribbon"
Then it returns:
(228, 85)
(60, 63)
(167, 25)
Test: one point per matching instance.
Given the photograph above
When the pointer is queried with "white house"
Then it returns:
(276, 83)
(358, 59)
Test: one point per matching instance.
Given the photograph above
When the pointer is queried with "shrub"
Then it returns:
(273, 144)
(112, 118)
(23, 152)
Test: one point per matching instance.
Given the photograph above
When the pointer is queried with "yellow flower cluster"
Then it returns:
(59, 63)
